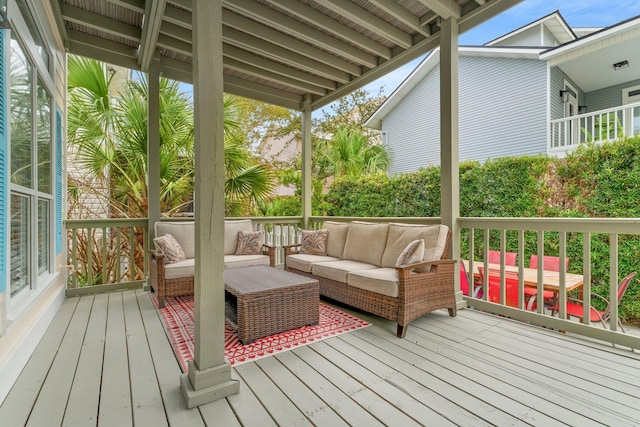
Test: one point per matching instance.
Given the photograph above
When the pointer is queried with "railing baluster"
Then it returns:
(118, 254)
(89, 256)
(540, 294)
(562, 293)
(132, 254)
(586, 273)
(521, 301)
(613, 281)
(503, 278)
(485, 257)
(74, 257)
(104, 256)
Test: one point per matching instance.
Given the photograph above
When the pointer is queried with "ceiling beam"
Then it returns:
(133, 5)
(103, 50)
(445, 8)
(150, 30)
(177, 16)
(177, 32)
(475, 15)
(266, 49)
(250, 70)
(272, 92)
(260, 96)
(233, 20)
(101, 23)
(168, 42)
(309, 14)
(275, 67)
(186, 4)
(400, 13)
(368, 20)
(301, 31)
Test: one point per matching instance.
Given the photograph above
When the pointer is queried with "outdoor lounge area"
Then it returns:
(87, 346)
(475, 369)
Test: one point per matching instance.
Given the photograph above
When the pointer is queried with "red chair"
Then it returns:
(576, 309)
(549, 263)
(511, 285)
(509, 257)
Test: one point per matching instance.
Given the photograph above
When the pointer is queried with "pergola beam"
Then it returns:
(301, 31)
(370, 21)
(409, 19)
(309, 14)
(444, 8)
(154, 12)
(101, 23)
(104, 50)
(262, 32)
(134, 5)
(259, 46)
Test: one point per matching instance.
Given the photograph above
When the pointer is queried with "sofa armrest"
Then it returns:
(156, 271)
(289, 249)
(411, 267)
(270, 251)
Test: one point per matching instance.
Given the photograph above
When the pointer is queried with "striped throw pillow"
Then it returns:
(314, 242)
(412, 253)
(172, 250)
(250, 243)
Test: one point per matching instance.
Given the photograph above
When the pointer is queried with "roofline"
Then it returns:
(525, 27)
(589, 38)
(375, 120)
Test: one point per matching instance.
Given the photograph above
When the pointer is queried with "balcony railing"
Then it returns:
(113, 265)
(599, 126)
(583, 241)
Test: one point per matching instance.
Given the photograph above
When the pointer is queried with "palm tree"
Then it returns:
(351, 153)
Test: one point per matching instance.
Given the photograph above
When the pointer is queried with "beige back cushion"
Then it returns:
(231, 229)
(400, 235)
(336, 238)
(366, 242)
(183, 232)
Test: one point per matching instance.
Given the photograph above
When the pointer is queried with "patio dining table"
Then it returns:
(550, 279)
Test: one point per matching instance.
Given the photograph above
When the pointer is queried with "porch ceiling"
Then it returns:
(275, 51)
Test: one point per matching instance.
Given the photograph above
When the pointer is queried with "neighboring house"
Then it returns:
(542, 88)
(281, 151)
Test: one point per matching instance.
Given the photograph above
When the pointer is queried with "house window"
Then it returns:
(31, 142)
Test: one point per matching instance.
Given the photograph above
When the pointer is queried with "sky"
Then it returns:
(577, 13)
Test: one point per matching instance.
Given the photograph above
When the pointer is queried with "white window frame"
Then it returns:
(572, 131)
(17, 304)
(628, 116)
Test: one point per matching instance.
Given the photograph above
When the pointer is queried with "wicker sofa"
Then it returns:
(168, 280)
(359, 269)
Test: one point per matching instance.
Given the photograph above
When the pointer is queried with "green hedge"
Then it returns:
(594, 181)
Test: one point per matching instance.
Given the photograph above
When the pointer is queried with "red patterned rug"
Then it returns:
(178, 318)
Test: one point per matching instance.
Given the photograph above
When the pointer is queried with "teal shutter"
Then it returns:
(58, 194)
(4, 169)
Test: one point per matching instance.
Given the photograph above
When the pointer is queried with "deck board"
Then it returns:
(84, 398)
(107, 360)
(115, 393)
(52, 400)
(19, 402)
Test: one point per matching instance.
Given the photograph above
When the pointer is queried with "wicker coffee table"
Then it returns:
(262, 301)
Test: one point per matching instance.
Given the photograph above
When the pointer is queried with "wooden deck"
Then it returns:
(106, 361)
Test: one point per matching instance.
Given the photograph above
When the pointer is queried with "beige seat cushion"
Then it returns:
(336, 238)
(400, 235)
(304, 262)
(382, 281)
(232, 261)
(366, 242)
(338, 270)
(186, 268)
(231, 229)
(184, 232)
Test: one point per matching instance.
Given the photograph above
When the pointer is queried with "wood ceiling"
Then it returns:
(275, 51)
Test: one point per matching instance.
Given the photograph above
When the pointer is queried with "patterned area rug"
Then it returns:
(178, 318)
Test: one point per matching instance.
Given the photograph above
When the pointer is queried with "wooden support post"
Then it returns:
(209, 375)
(307, 191)
(450, 187)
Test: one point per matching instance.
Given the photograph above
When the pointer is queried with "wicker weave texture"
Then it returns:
(269, 311)
(418, 293)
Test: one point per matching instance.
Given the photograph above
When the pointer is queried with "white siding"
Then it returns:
(548, 38)
(413, 127)
(530, 37)
(502, 113)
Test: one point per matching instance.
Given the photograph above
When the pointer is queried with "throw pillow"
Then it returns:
(172, 250)
(250, 243)
(314, 242)
(412, 253)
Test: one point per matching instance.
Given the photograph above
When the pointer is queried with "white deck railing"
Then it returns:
(600, 126)
(526, 236)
